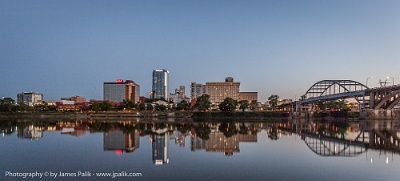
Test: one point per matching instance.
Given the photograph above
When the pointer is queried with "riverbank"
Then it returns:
(129, 115)
(34, 115)
(241, 115)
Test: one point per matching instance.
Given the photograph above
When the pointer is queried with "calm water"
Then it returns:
(187, 150)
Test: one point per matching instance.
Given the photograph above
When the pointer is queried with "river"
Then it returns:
(199, 150)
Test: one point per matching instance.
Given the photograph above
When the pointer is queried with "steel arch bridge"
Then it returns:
(335, 89)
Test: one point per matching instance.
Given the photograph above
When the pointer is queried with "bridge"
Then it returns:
(367, 98)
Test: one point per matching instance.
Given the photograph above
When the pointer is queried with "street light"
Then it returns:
(366, 82)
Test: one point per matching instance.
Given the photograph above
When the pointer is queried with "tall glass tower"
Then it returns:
(160, 83)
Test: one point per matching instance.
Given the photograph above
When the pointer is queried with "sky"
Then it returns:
(66, 48)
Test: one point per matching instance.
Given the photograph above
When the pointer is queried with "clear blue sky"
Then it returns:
(67, 48)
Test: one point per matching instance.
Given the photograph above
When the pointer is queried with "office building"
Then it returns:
(218, 91)
(29, 98)
(197, 90)
(160, 84)
(119, 91)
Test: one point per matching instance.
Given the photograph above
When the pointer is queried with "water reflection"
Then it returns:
(31, 132)
(160, 141)
(118, 141)
(325, 138)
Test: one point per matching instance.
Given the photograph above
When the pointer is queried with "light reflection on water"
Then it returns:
(285, 150)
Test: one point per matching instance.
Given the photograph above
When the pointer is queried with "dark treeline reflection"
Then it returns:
(218, 136)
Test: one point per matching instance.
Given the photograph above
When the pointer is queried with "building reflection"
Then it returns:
(75, 128)
(197, 143)
(8, 130)
(218, 142)
(117, 140)
(249, 138)
(179, 137)
(160, 147)
(31, 132)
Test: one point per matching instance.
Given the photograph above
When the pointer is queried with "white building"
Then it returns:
(29, 98)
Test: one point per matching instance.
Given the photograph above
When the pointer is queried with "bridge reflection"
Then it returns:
(326, 146)
(341, 140)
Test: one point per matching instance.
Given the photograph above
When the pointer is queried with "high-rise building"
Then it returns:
(119, 91)
(197, 90)
(29, 98)
(218, 91)
(160, 83)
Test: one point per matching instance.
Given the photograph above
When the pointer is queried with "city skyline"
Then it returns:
(65, 48)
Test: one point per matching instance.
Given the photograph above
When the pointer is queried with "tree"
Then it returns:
(273, 100)
(7, 104)
(160, 107)
(101, 106)
(203, 131)
(142, 106)
(272, 133)
(106, 106)
(183, 105)
(96, 106)
(244, 104)
(22, 107)
(253, 104)
(321, 105)
(228, 128)
(128, 104)
(203, 102)
(337, 105)
(228, 105)
(150, 107)
(342, 105)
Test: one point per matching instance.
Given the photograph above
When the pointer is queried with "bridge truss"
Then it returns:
(326, 90)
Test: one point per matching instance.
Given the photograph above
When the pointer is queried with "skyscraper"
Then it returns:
(160, 83)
